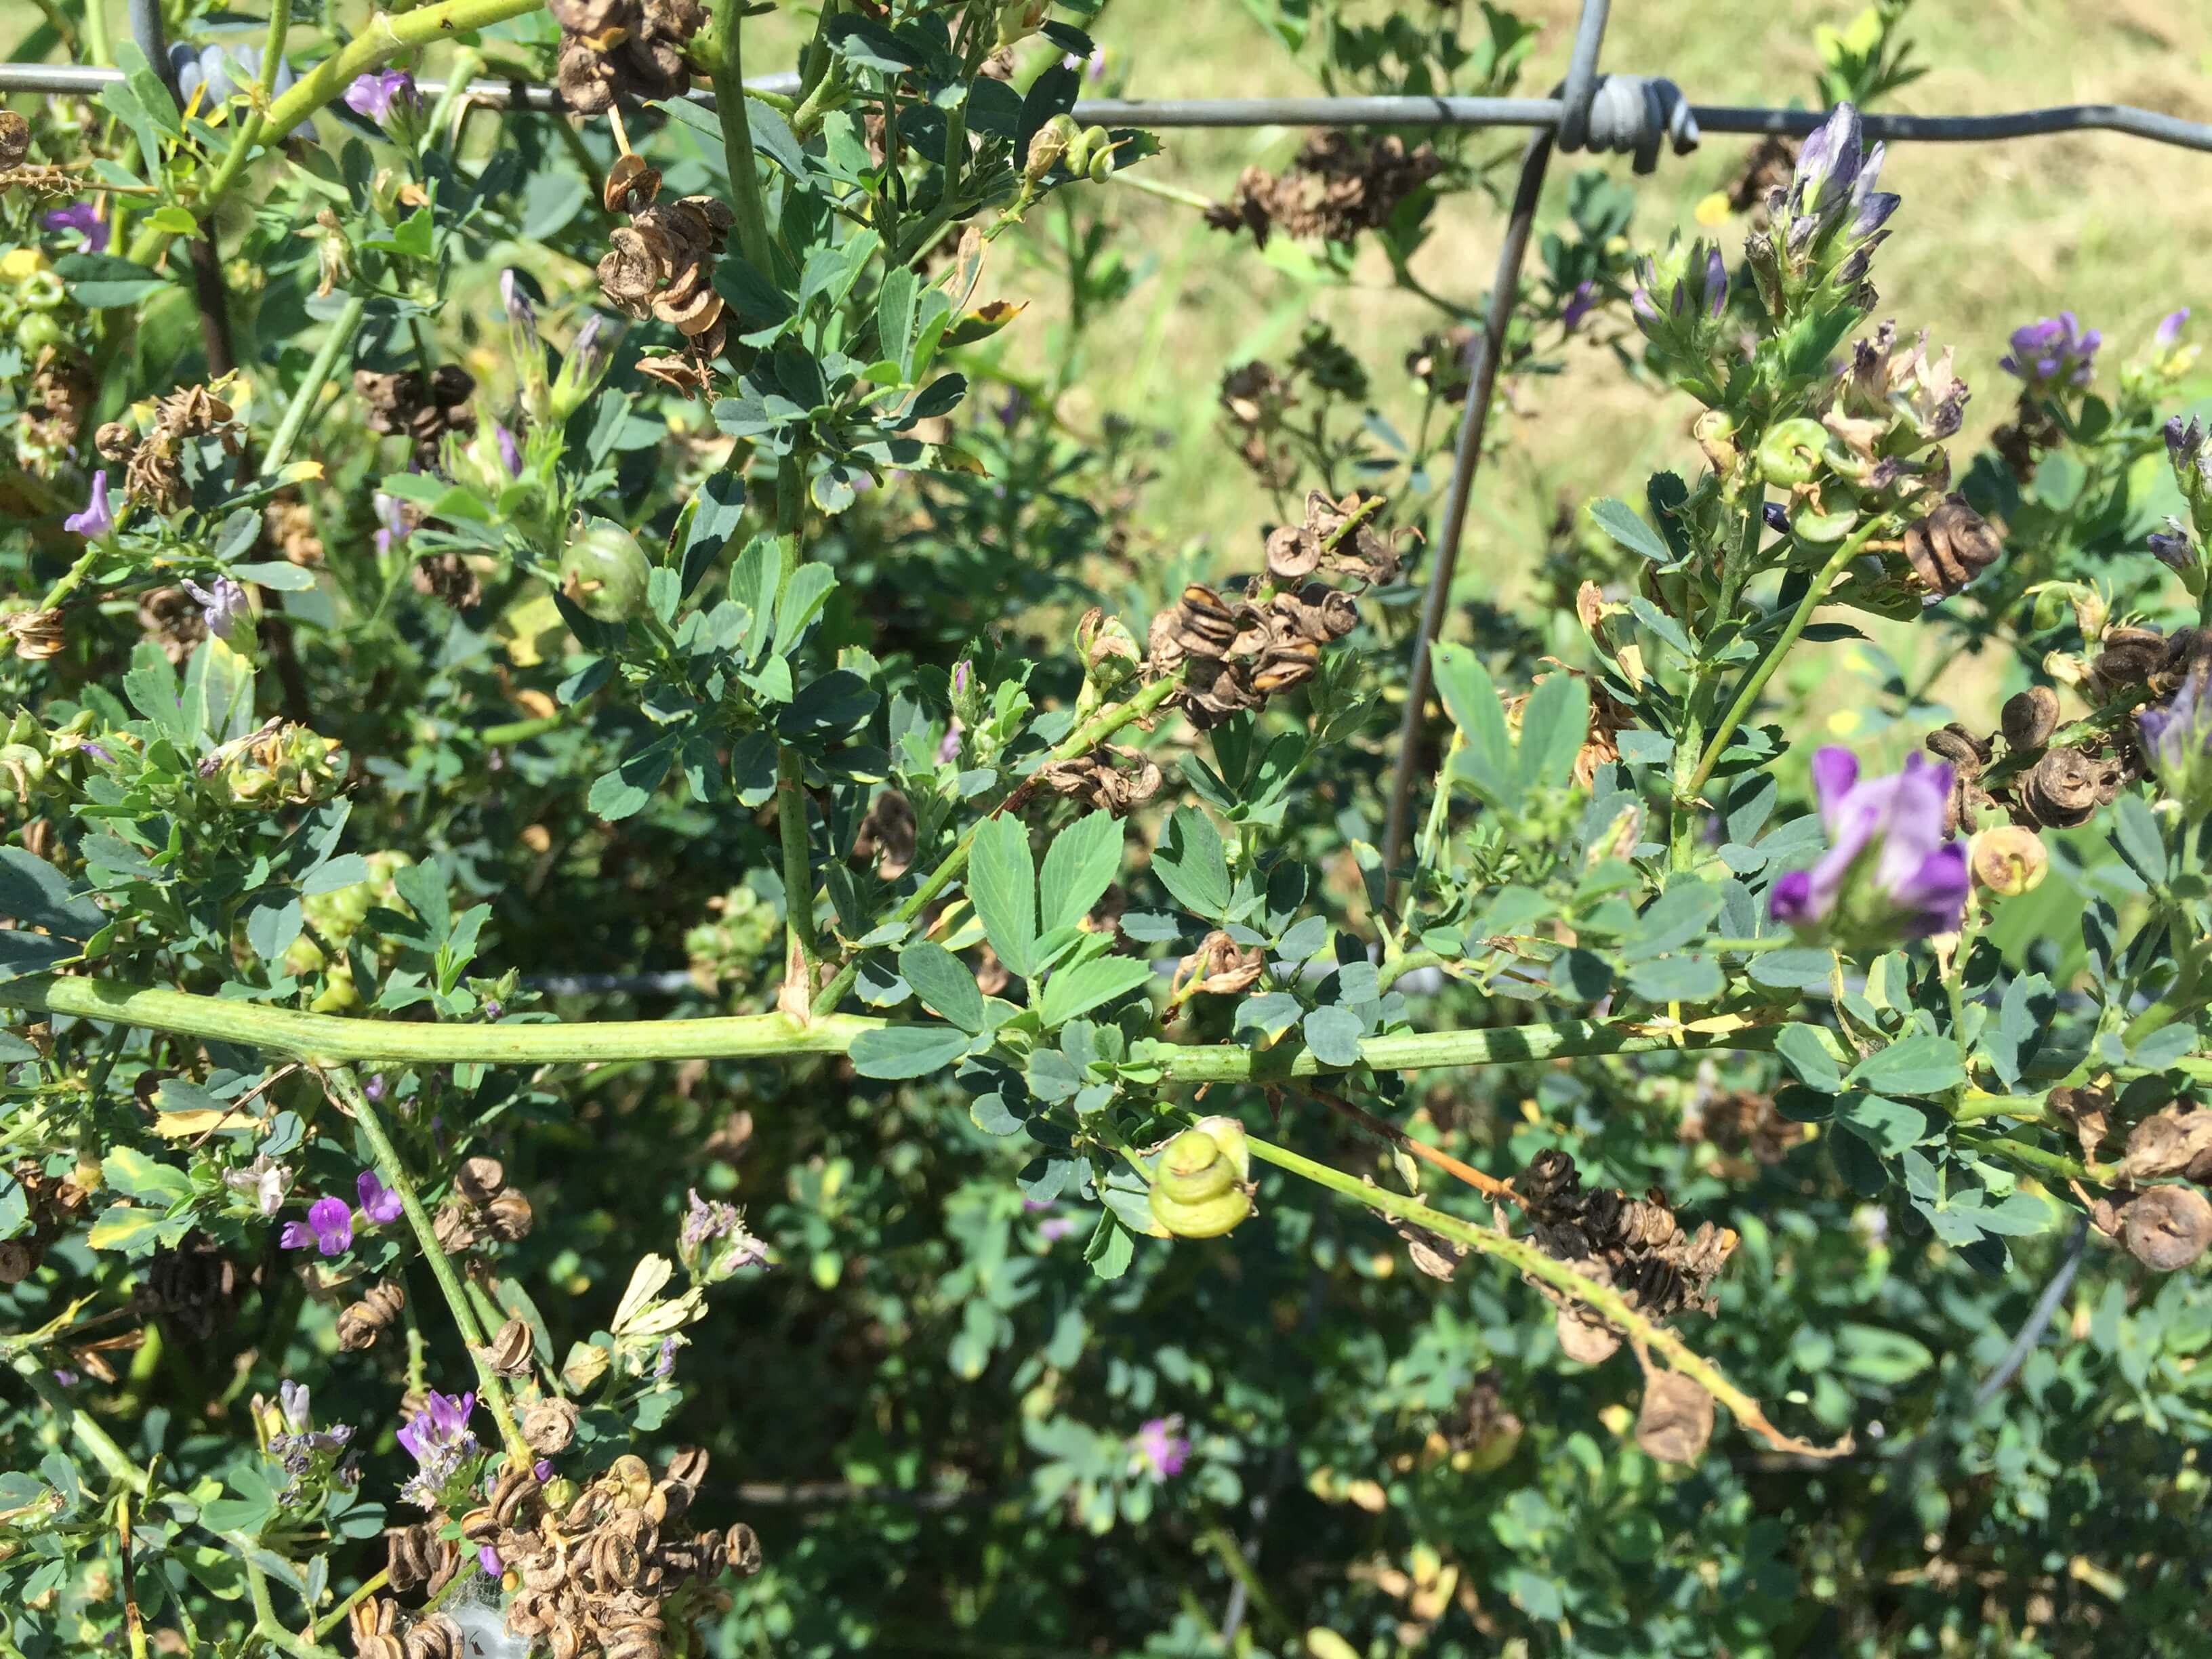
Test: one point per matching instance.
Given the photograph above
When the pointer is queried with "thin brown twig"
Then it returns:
(1488, 1185)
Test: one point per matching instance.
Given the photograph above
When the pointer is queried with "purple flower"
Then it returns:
(488, 1558)
(378, 1201)
(1777, 517)
(664, 1362)
(510, 453)
(223, 608)
(329, 1227)
(1579, 305)
(2169, 329)
(85, 218)
(1160, 1448)
(585, 350)
(541, 1470)
(1833, 186)
(948, 746)
(1054, 1228)
(293, 1440)
(393, 519)
(1890, 827)
(374, 96)
(375, 1087)
(520, 311)
(2052, 351)
(2173, 546)
(96, 519)
(442, 1422)
(2177, 734)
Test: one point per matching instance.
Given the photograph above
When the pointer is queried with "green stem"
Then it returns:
(2053, 1165)
(266, 1625)
(513, 731)
(333, 1041)
(340, 340)
(1166, 192)
(748, 204)
(341, 1082)
(1085, 738)
(801, 953)
(1224, 1544)
(76, 574)
(95, 1440)
(1528, 1259)
(1816, 593)
(96, 44)
(370, 1586)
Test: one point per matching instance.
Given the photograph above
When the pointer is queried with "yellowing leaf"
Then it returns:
(983, 321)
(199, 1121)
(652, 1273)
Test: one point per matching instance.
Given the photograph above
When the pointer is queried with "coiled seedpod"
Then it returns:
(1790, 452)
(1200, 1189)
(2029, 717)
(604, 572)
(360, 1325)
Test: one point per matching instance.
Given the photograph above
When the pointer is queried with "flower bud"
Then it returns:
(2009, 860)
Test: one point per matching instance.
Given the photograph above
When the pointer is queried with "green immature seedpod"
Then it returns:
(604, 572)
(1790, 453)
(1101, 166)
(1199, 1187)
(1049, 144)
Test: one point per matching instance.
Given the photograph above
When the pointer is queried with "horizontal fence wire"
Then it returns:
(1379, 111)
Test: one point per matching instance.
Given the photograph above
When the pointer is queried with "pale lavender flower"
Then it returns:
(2052, 351)
(83, 218)
(98, 753)
(1159, 1448)
(2173, 546)
(375, 1087)
(510, 453)
(297, 1443)
(948, 746)
(378, 1201)
(705, 1222)
(2177, 735)
(960, 676)
(520, 311)
(97, 519)
(392, 519)
(488, 1558)
(223, 607)
(329, 1228)
(1054, 1228)
(664, 1364)
(2169, 329)
(1914, 881)
(375, 96)
(265, 1178)
(541, 1470)
(1093, 67)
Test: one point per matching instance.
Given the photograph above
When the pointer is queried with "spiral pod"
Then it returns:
(1201, 1186)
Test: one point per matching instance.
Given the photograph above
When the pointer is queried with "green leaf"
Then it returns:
(1332, 1035)
(34, 894)
(943, 984)
(121, 1227)
(1553, 723)
(1111, 1248)
(100, 282)
(1918, 1065)
(1888, 1126)
(131, 1172)
(804, 596)
(271, 926)
(1078, 990)
(623, 792)
(1879, 1356)
(343, 871)
(2136, 834)
(2160, 1048)
(1487, 762)
(1078, 867)
(1621, 521)
(1002, 883)
(1193, 864)
(1676, 917)
(906, 1051)
(1677, 979)
(1806, 1055)
(1796, 969)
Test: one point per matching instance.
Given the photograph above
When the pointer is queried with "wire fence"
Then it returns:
(1616, 113)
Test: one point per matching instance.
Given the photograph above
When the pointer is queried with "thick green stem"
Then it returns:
(1524, 1255)
(800, 954)
(266, 1625)
(67, 582)
(748, 204)
(96, 1441)
(1085, 738)
(342, 1083)
(1815, 593)
(340, 340)
(331, 1040)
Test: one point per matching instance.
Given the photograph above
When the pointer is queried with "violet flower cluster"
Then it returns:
(1159, 1448)
(1891, 869)
(377, 96)
(1826, 224)
(711, 1222)
(297, 1444)
(329, 1225)
(2176, 741)
(2053, 352)
(438, 1439)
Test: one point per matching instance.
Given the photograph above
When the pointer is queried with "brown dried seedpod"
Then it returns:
(14, 139)
(2169, 1142)
(479, 1178)
(2067, 785)
(379, 1308)
(687, 1467)
(1219, 967)
(114, 440)
(437, 1637)
(1951, 546)
(1967, 753)
(2029, 718)
(548, 1426)
(2129, 657)
(38, 634)
(447, 578)
(19, 1260)
(1676, 1420)
(372, 1625)
(508, 1214)
(632, 182)
(510, 1349)
(416, 1557)
(454, 1226)
(2166, 1228)
(744, 1550)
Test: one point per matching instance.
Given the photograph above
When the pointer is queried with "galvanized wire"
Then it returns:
(1377, 112)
